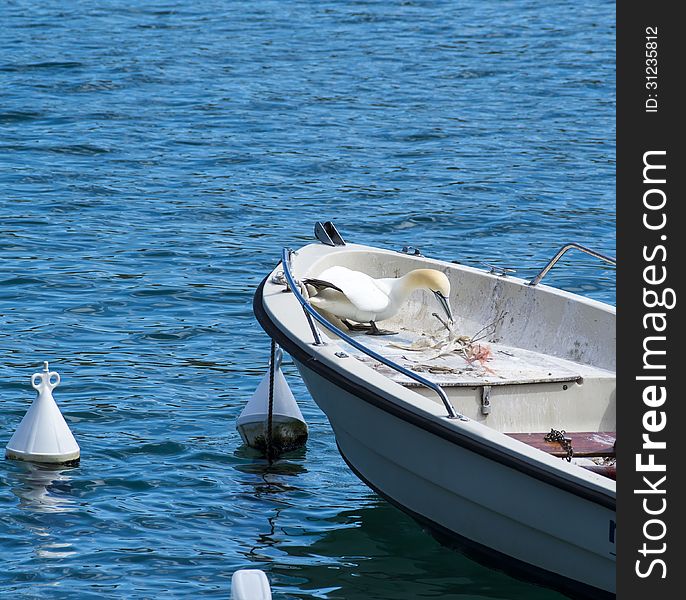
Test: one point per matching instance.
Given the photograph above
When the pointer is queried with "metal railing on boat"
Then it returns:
(571, 246)
(311, 313)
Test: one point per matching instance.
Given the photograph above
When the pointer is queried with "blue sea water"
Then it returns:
(154, 159)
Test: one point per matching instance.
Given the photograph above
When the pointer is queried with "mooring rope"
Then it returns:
(272, 369)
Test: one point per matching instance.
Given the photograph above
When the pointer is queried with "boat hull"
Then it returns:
(476, 503)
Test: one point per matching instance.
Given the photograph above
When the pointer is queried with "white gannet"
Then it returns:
(355, 296)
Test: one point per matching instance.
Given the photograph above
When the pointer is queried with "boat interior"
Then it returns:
(522, 360)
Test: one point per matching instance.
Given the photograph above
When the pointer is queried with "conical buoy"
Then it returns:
(250, 584)
(288, 427)
(43, 435)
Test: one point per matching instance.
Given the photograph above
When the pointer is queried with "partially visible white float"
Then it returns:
(250, 584)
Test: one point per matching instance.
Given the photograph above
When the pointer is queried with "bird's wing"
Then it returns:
(385, 284)
(358, 287)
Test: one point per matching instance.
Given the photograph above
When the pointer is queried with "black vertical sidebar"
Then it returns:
(651, 446)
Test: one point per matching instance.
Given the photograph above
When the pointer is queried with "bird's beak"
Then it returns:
(443, 301)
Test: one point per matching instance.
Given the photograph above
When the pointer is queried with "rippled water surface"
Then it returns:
(154, 159)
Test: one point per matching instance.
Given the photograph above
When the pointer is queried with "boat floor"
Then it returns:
(506, 365)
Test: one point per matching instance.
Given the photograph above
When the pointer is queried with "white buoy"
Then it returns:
(250, 584)
(43, 435)
(289, 429)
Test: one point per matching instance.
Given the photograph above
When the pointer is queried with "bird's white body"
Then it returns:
(364, 299)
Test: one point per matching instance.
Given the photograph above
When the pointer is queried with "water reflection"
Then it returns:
(379, 552)
(271, 485)
(45, 493)
(44, 488)
(270, 478)
(374, 551)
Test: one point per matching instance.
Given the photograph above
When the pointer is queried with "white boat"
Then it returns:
(458, 440)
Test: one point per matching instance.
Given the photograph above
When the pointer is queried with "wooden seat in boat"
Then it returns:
(584, 444)
(605, 470)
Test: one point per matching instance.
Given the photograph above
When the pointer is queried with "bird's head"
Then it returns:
(436, 282)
